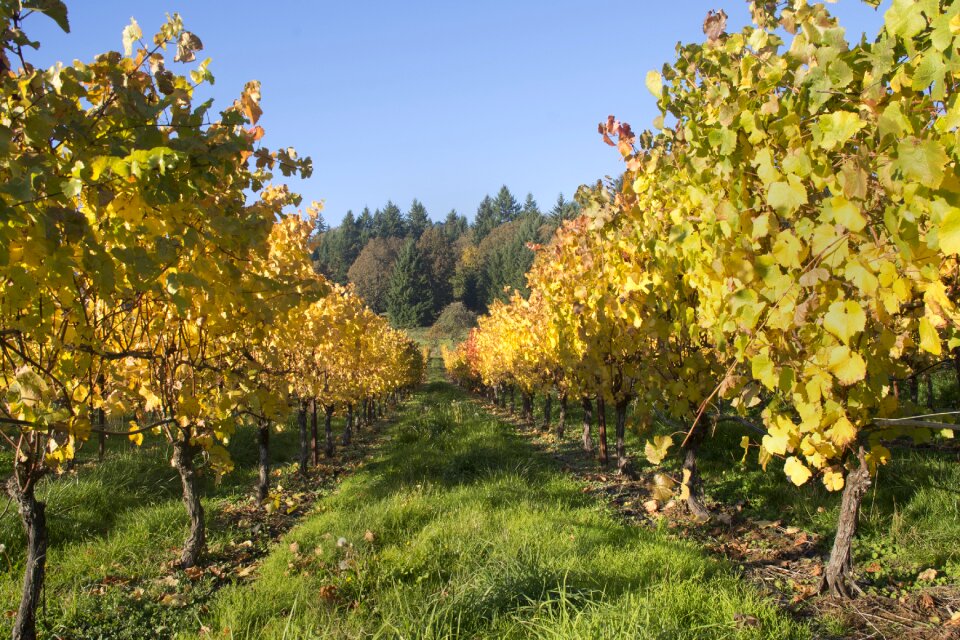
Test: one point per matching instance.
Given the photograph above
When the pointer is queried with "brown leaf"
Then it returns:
(188, 44)
(368, 536)
(715, 24)
(194, 573)
(928, 575)
(927, 602)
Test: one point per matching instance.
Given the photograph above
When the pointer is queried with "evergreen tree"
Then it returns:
(417, 219)
(365, 226)
(389, 223)
(485, 220)
(409, 297)
(440, 259)
(507, 207)
(563, 210)
(455, 225)
(530, 206)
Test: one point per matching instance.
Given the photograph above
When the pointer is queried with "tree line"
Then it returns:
(411, 268)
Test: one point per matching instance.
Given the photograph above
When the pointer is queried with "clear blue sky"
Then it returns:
(443, 101)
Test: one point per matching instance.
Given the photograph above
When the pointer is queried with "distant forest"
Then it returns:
(407, 266)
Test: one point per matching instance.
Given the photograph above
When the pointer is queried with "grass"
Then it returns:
(474, 534)
(910, 519)
(458, 527)
(115, 527)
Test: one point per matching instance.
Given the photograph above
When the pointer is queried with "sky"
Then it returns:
(436, 100)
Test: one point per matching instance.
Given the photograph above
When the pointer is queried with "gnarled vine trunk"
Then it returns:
(263, 460)
(328, 429)
(547, 411)
(691, 475)
(526, 407)
(304, 438)
(34, 518)
(314, 435)
(624, 467)
(587, 423)
(836, 577)
(604, 456)
(562, 418)
(182, 461)
(348, 426)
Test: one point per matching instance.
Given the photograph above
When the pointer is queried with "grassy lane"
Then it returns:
(460, 528)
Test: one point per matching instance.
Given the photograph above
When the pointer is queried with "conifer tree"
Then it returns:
(410, 296)
(417, 219)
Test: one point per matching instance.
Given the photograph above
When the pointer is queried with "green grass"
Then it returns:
(120, 523)
(910, 519)
(477, 535)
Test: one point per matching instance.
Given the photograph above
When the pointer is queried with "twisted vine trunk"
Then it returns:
(34, 518)
(562, 418)
(263, 466)
(587, 422)
(547, 411)
(513, 400)
(837, 577)
(182, 461)
(604, 456)
(304, 438)
(348, 426)
(691, 476)
(328, 429)
(101, 419)
(526, 407)
(314, 436)
(624, 467)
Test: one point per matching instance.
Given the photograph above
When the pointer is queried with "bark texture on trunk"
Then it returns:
(304, 438)
(328, 430)
(624, 467)
(691, 476)
(604, 456)
(34, 518)
(526, 407)
(562, 418)
(837, 577)
(547, 411)
(263, 460)
(196, 541)
(587, 423)
(348, 426)
(314, 435)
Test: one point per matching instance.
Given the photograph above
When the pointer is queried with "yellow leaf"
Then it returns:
(846, 213)
(745, 445)
(656, 451)
(949, 234)
(929, 338)
(685, 485)
(655, 83)
(135, 438)
(844, 319)
(847, 366)
(842, 432)
(796, 471)
(833, 479)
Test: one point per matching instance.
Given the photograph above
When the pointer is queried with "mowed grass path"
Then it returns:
(459, 528)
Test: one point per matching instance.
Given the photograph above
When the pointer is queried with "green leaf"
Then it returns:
(54, 9)
(922, 160)
(834, 129)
